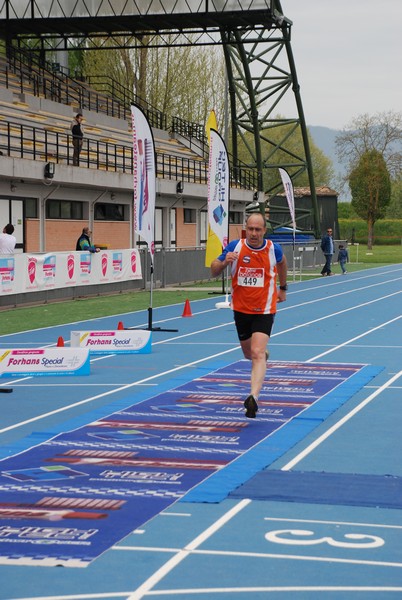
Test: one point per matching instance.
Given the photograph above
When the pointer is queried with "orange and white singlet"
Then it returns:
(254, 279)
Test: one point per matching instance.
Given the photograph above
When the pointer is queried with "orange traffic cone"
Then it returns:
(60, 342)
(120, 326)
(187, 310)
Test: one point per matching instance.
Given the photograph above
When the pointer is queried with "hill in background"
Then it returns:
(324, 139)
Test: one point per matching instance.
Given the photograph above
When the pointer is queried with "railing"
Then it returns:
(56, 85)
(40, 80)
(113, 88)
(98, 93)
(26, 141)
(193, 131)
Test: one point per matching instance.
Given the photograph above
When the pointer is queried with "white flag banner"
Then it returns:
(288, 186)
(218, 188)
(144, 178)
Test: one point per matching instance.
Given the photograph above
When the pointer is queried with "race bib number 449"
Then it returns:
(250, 277)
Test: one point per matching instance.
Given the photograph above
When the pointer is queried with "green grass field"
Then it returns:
(34, 317)
(379, 254)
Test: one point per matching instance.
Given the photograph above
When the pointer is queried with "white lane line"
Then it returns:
(186, 551)
(234, 553)
(332, 522)
(357, 337)
(305, 324)
(124, 387)
(107, 595)
(274, 589)
(142, 325)
(82, 385)
(128, 386)
(334, 314)
(323, 284)
(178, 337)
(337, 295)
(339, 424)
(228, 590)
(101, 318)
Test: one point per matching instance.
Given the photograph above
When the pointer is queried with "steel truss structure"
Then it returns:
(256, 39)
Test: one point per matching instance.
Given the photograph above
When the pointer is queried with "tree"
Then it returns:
(381, 132)
(185, 82)
(113, 65)
(394, 208)
(346, 211)
(322, 165)
(370, 184)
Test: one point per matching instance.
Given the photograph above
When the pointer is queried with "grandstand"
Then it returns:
(37, 105)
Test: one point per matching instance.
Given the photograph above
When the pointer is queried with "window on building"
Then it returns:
(235, 217)
(31, 208)
(64, 209)
(203, 227)
(111, 212)
(190, 215)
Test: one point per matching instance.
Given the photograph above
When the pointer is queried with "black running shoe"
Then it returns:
(251, 407)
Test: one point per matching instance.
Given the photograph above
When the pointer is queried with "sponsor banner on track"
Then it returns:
(69, 499)
(44, 361)
(136, 341)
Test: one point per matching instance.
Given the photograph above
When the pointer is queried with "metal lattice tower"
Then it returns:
(256, 40)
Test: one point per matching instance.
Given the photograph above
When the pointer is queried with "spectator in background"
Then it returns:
(7, 240)
(84, 242)
(343, 258)
(327, 246)
(78, 133)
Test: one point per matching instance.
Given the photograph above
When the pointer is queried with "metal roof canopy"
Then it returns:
(255, 34)
(65, 17)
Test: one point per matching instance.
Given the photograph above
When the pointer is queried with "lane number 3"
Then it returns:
(304, 537)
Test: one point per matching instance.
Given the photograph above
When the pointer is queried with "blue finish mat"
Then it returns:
(381, 491)
(217, 488)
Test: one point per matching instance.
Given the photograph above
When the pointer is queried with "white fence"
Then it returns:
(25, 273)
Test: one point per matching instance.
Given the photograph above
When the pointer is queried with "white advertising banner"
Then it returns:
(134, 341)
(144, 178)
(36, 272)
(7, 274)
(218, 188)
(288, 187)
(44, 361)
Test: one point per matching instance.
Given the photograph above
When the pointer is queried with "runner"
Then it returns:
(255, 263)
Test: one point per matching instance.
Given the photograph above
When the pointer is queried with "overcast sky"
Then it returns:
(348, 56)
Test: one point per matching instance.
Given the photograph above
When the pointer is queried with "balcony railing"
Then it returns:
(36, 143)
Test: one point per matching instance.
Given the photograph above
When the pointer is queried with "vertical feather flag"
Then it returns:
(218, 189)
(211, 123)
(214, 245)
(288, 186)
(144, 178)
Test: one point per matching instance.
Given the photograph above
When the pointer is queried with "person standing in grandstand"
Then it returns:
(7, 240)
(255, 263)
(77, 131)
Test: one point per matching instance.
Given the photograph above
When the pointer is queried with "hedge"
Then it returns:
(386, 231)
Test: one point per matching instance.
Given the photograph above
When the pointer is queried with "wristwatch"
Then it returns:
(283, 287)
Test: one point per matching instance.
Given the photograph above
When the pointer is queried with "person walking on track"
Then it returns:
(327, 247)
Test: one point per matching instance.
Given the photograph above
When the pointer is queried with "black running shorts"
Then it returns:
(247, 324)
